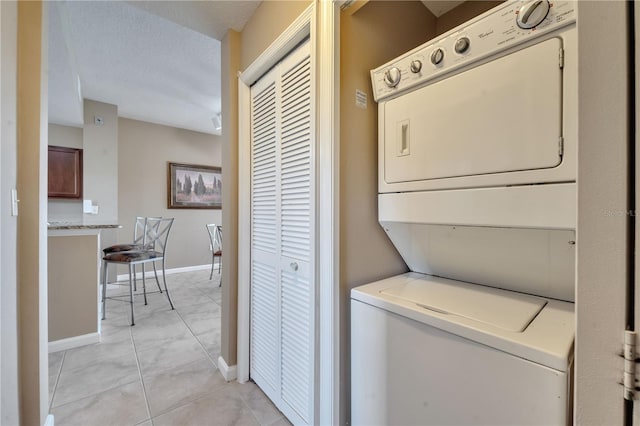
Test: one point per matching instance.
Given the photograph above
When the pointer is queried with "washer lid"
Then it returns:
(544, 328)
(500, 308)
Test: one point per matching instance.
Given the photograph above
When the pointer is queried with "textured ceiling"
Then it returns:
(157, 61)
(440, 7)
(211, 18)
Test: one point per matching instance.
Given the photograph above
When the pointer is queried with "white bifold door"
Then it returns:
(283, 295)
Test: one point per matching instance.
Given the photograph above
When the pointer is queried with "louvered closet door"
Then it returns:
(265, 247)
(282, 220)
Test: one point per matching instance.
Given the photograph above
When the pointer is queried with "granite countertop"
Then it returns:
(63, 225)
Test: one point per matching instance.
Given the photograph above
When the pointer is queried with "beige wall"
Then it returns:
(143, 152)
(9, 403)
(462, 13)
(70, 137)
(269, 20)
(366, 254)
(230, 54)
(32, 232)
(602, 257)
(100, 158)
(73, 286)
(100, 166)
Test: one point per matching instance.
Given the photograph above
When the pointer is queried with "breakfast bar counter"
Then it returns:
(73, 274)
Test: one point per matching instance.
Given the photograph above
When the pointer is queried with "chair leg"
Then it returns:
(155, 272)
(135, 282)
(144, 285)
(144, 268)
(104, 289)
(164, 275)
(131, 295)
(213, 262)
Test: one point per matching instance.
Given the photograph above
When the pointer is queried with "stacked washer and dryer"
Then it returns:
(477, 191)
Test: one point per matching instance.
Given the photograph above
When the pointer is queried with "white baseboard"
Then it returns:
(49, 421)
(125, 277)
(73, 342)
(229, 373)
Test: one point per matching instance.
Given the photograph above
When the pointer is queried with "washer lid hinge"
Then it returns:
(561, 58)
(630, 360)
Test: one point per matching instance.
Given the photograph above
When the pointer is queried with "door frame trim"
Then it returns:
(320, 22)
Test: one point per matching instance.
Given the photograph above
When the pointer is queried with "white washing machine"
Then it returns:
(477, 191)
(428, 350)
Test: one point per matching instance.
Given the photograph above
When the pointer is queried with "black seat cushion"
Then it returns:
(132, 256)
(121, 247)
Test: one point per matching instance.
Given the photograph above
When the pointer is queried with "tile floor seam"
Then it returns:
(250, 409)
(207, 296)
(179, 406)
(94, 394)
(193, 401)
(144, 389)
(246, 403)
(55, 385)
(279, 419)
(185, 402)
(215, 364)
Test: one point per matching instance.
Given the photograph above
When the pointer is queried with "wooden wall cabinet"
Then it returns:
(65, 172)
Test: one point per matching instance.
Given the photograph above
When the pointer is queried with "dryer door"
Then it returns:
(500, 117)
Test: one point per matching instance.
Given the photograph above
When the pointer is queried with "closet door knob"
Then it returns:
(294, 266)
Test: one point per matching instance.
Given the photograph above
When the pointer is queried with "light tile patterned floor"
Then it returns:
(162, 371)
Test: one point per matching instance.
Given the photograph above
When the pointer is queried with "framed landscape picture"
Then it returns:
(191, 186)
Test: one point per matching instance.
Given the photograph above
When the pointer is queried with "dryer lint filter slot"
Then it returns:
(403, 139)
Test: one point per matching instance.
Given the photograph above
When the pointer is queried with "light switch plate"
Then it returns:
(14, 202)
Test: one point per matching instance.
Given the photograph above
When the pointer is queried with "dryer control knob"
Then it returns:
(392, 77)
(416, 66)
(462, 45)
(532, 13)
(437, 56)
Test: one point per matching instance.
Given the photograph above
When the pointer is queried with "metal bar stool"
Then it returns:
(215, 238)
(154, 246)
(137, 244)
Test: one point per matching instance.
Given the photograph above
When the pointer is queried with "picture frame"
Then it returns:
(192, 186)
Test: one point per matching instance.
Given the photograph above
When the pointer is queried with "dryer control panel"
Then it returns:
(498, 29)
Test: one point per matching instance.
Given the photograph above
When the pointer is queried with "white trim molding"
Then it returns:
(50, 421)
(125, 277)
(292, 36)
(328, 271)
(228, 372)
(73, 342)
(244, 229)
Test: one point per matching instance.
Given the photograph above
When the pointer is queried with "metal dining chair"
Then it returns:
(138, 238)
(153, 249)
(215, 238)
